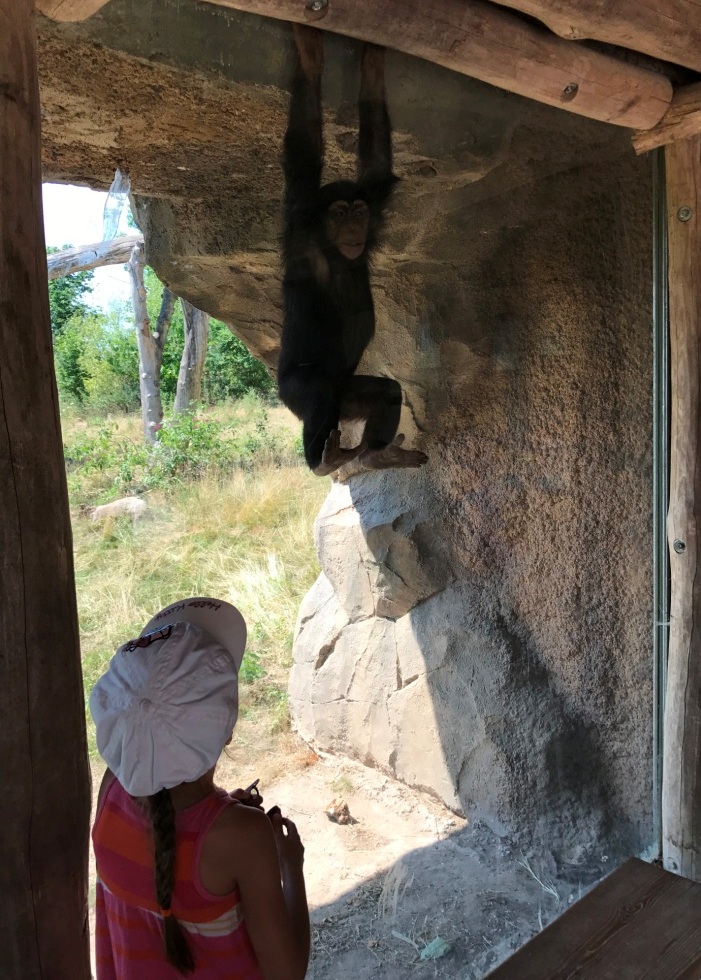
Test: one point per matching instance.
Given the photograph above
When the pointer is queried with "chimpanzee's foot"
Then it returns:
(310, 45)
(393, 457)
(333, 456)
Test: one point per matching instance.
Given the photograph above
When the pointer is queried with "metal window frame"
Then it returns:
(660, 476)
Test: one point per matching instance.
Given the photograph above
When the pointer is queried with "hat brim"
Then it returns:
(220, 619)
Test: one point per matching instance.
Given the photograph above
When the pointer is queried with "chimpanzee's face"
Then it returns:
(346, 224)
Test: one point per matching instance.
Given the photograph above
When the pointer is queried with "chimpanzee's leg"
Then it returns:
(313, 397)
(379, 401)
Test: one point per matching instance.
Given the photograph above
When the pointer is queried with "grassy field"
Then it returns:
(231, 518)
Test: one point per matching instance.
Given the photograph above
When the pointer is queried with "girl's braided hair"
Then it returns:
(162, 813)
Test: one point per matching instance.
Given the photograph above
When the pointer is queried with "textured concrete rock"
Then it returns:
(375, 564)
(481, 628)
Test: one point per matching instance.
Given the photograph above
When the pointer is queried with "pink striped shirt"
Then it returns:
(128, 933)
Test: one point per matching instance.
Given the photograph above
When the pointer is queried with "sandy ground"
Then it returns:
(407, 878)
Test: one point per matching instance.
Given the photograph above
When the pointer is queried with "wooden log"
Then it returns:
(150, 350)
(86, 257)
(681, 121)
(69, 10)
(44, 773)
(669, 30)
(475, 38)
(193, 359)
(681, 783)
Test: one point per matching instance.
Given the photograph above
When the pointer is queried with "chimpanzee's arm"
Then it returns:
(303, 150)
(375, 136)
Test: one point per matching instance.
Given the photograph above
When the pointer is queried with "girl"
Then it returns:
(191, 879)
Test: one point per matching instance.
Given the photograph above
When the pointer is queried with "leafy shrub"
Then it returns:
(188, 446)
(97, 361)
(71, 375)
(102, 465)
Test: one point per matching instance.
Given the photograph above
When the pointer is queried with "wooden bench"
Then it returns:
(640, 923)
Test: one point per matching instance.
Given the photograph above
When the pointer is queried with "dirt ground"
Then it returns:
(408, 889)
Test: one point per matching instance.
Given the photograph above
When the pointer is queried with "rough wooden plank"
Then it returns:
(86, 257)
(70, 10)
(475, 38)
(641, 923)
(681, 121)
(681, 784)
(45, 799)
(669, 30)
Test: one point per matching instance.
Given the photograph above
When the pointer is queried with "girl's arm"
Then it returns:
(263, 858)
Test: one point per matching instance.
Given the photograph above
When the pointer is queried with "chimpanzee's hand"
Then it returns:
(310, 46)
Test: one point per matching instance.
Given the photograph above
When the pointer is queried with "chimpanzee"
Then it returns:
(329, 235)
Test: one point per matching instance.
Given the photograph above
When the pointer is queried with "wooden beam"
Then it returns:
(681, 783)
(681, 121)
(69, 10)
(86, 257)
(44, 774)
(476, 38)
(669, 29)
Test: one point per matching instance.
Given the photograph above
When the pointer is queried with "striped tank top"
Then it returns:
(128, 930)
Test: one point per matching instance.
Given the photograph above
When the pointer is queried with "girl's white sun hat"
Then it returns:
(168, 702)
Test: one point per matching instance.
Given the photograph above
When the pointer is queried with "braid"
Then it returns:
(162, 814)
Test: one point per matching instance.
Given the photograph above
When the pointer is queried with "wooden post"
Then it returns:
(44, 774)
(150, 350)
(681, 783)
(194, 356)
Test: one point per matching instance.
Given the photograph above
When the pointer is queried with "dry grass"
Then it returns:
(245, 537)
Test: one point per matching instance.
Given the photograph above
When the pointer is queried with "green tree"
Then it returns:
(66, 295)
(231, 370)
(97, 361)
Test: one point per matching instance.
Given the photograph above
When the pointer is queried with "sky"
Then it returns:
(73, 216)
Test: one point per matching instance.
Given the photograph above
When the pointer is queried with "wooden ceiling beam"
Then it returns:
(666, 29)
(69, 10)
(681, 121)
(478, 39)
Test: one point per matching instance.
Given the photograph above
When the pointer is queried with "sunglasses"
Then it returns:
(148, 638)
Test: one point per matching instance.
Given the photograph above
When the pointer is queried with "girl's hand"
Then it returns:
(248, 797)
(289, 844)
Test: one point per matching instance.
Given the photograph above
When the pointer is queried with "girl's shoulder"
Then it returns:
(235, 840)
(237, 819)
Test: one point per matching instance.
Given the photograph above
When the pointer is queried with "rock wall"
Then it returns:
(482, 628)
